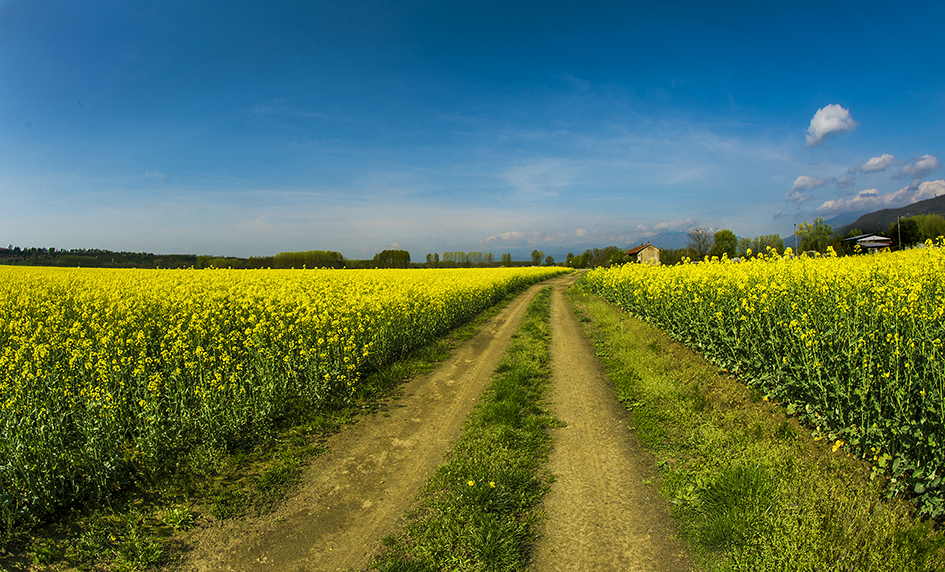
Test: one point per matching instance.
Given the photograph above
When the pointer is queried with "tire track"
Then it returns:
(357, 492)
(600, 513)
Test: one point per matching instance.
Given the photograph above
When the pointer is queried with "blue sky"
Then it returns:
(249, 128)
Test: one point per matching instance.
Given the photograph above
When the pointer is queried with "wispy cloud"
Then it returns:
(800, 190)
(845, 182)
(829, 120)
(278, 105)
(543, 178)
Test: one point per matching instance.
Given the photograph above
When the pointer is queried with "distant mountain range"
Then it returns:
(879, 221)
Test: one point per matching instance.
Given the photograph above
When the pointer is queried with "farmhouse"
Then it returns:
(645, 254)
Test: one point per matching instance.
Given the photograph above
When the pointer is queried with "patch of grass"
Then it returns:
(751, 489)
(477, 511)
(138, 531)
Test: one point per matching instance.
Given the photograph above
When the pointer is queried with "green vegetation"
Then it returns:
(879, 221)
(392, 259)
(537, 255)
(816, 236)
(904, 232)
(458, 258)
(597, 257)
(931, 226)
(751, 490)
(702, 242)
(138, 529)
(309, 259)
(760, 245)
(725, 243)
(699, 243)
(93, 258)
(852, 346)
(477, 511)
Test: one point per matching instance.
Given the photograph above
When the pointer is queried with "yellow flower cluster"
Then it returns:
(852, 344)
(98, 367)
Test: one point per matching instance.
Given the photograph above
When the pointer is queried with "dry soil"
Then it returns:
(601, 513)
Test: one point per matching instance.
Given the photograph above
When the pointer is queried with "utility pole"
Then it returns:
(899, 230)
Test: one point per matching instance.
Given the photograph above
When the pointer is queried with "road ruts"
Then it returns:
(600, 514)
(359, 490)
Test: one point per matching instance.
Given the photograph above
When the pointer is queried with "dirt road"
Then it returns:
(356, 493)
(601, 515)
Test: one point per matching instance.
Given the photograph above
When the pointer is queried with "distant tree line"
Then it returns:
(915, 229)
(598, 257)
(460, 259)
(392, 259)
(309, 259)
(92, 258)
(702, 242)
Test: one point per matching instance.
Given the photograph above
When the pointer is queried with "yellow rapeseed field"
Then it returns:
(852, 345)
(99, 368)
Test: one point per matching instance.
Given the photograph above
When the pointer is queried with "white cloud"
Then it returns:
(675, 225)
(799, 190)
(923, 166)
(880, 163)
(827, 121)
(581, 232)
(797, 197)
(871, 199)
(805, 183)
(510, 237)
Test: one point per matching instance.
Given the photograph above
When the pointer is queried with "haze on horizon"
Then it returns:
(245, 129)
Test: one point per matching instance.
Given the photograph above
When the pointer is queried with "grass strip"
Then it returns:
(750, 487)
(140, 529)
(477, 512)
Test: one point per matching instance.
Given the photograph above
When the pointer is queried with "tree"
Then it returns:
(905, 232)
(583, 260)
(931, 226)
(308, 259)
(671, 256)
(537, 255)
(814, 236)
(507, 259)
(744, 245)
(550, 260)
(760, 244)
(392, 259)
(699, 243)
(724, 242)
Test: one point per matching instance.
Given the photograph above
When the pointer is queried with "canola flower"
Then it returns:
(102, 369)
(852, 345)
